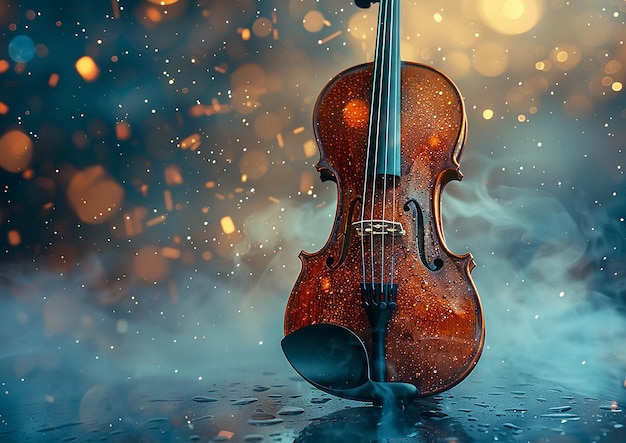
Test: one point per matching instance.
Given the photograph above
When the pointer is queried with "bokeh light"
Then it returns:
(511, 16)
(150, 265)
(94, 195)
(87, 68)
(21, 48)
(490, 59)
(16, 151)
(313, 21)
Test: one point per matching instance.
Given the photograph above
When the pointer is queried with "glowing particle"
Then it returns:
(116, 9)
(228, 225)
(156, 220)
(87, 68)
(169, 252)
(310, 148)
(173, 175)
(329, 38)
(191, 142)
(14, 237)
(566, 57)
(169, 202)
(122, 130)
(53, 80)
(488, 114)
(307, 181)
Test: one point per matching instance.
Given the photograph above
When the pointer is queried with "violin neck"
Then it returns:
(384, 138)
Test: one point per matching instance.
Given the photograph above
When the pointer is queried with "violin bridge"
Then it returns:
(378, 227)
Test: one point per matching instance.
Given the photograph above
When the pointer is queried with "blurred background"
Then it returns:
(158, 182)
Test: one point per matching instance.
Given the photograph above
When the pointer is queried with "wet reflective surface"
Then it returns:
(271, 407)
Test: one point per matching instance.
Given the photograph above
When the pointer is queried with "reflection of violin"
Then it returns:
(390, 134)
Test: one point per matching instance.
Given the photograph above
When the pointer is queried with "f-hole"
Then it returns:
(347, 234)
(418, 217)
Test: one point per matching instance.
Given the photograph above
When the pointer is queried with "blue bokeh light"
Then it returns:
(21, 49)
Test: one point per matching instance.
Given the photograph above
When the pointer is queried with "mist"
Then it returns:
(151, 226)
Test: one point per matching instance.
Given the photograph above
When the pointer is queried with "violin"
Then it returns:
(390, 135)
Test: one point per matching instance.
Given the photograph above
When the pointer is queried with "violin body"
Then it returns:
(435, 333)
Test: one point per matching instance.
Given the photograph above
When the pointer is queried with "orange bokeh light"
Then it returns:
(16, 151)
(94, 195)
(87, 68)
(150, 265)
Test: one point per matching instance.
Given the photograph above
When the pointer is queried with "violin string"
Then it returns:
(374, 117)
(396, 122)
(387, 136)
(380, 51)
(386, 115)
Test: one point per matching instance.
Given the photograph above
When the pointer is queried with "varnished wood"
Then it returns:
(436, 333)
